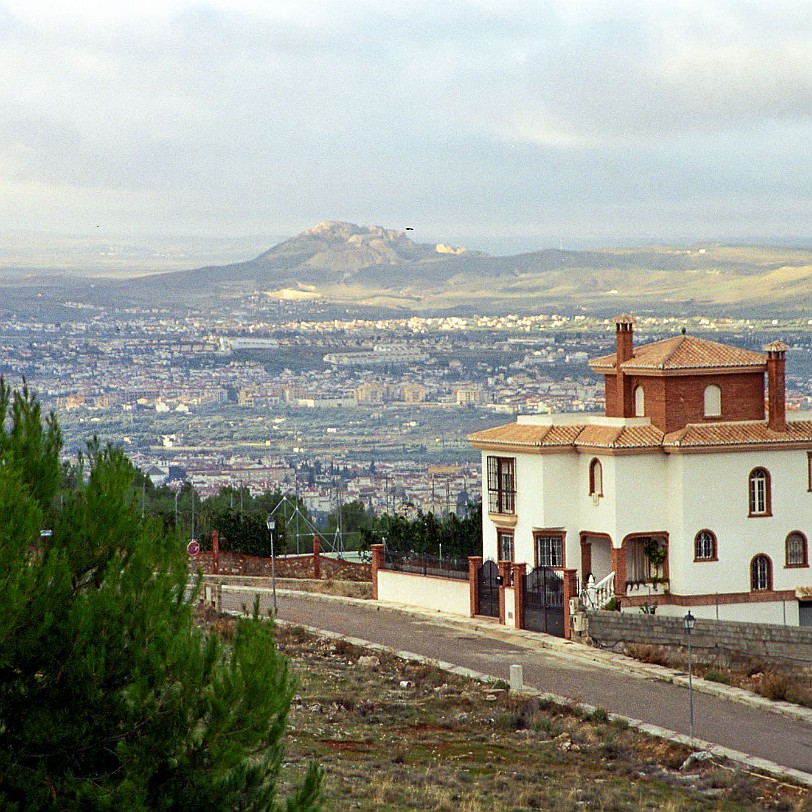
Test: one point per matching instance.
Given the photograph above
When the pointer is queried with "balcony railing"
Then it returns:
(596, 595)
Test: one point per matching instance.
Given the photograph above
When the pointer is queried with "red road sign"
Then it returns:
(193, 548)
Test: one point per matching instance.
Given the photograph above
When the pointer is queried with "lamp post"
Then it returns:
(689, 621)
(270, 523)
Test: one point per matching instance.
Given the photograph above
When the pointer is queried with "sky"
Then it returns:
(500, 125)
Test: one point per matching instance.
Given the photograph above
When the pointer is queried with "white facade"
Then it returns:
(670, 494)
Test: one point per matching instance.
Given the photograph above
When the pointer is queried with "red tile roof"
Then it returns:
(620, 437)
(595, 435)
(683, 352)
(735, 434)
(526, 434)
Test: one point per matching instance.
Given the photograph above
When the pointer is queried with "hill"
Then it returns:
(375, 267)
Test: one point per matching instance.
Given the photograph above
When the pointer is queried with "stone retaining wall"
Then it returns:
(715, 642)
(300, 566)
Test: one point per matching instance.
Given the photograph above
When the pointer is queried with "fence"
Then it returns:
(426, 565)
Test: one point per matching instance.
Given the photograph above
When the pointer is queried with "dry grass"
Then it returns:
(394, 734)
(763, 677)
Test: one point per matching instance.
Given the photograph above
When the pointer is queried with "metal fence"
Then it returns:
(427, 565)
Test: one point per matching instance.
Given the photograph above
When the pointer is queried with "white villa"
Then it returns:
(687, 493)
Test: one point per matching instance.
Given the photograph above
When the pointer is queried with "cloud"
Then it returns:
(479, 114)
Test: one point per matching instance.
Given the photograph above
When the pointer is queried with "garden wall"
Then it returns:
(299, 566)
(719, 642)
(427, 592)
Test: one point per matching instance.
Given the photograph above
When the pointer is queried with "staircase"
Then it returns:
(598, 595)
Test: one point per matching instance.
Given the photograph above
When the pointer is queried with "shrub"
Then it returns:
(774, 686)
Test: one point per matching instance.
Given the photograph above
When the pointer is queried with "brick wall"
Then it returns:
(300, 566)
(715, 642)
(673, 402)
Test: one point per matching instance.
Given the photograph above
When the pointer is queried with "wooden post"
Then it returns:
(215, 552)
(377, 564)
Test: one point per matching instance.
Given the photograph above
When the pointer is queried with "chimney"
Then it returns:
(624, 350)
(776, 387)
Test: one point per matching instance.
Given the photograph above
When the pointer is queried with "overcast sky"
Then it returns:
(493, 124)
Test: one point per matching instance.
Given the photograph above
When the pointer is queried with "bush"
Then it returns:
(774, 686)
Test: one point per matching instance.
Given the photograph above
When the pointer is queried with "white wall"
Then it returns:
(679, 494)
(715, 497)
(442, 594)
(771, 612)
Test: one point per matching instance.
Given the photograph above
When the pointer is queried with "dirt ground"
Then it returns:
(402, 735)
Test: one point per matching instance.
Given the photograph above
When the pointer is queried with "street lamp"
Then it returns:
(689, 621)
(270, 523)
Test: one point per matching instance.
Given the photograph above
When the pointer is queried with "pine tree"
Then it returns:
(110, 696)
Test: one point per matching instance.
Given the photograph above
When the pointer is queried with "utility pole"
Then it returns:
(296, 490)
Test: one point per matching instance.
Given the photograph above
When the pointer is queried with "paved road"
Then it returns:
(759, 733)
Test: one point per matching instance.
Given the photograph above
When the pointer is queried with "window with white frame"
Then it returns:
(759, 492)
(796, 549)
(761, 574)
(549, 550)
(705, 546)
(713, 401)
(501, 485)
(505, 545)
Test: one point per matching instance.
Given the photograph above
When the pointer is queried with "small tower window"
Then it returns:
(713, 401)
(595, 478)
(639, 402)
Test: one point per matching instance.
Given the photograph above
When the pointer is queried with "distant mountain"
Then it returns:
(370, 266)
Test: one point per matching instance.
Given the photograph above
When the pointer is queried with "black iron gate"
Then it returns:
(544, 601)
(488, 589)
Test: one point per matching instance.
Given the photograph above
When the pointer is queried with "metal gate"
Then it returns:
(544, 601)
(488, 589)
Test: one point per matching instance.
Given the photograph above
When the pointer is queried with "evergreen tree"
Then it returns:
(110, 696)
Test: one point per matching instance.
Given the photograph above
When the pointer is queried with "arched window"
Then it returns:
(704, 546)
(759, 492)
(797, 550)
(713, 401)
(595, 478)
(639, 402)
(761, 574)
